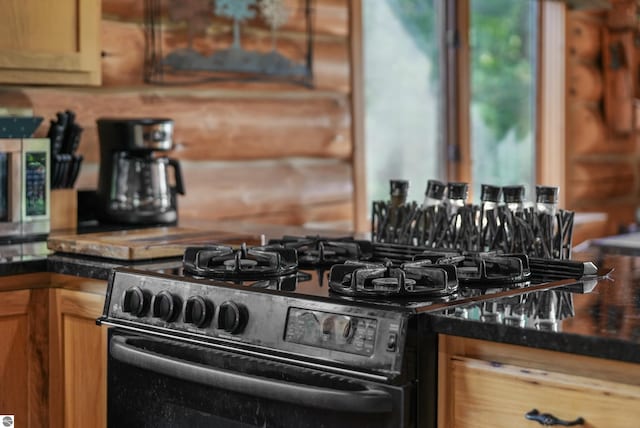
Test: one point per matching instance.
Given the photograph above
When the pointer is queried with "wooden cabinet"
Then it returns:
(78, 349)
(23, 356)
(50, 42)
(488, 384)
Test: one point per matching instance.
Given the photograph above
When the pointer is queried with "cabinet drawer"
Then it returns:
(486, 394)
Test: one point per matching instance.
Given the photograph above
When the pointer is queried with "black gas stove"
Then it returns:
(302, 331)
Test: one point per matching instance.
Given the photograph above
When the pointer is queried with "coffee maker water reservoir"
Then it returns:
(134, 182)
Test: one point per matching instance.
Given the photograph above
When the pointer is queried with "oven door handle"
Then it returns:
(366, 400)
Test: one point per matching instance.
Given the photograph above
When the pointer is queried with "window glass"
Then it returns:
(401, 81)
(503, 44)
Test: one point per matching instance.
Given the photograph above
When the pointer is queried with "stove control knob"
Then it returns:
(348, 328)
(232, 317)
(135, 301)
(166, 306)
(198, 311)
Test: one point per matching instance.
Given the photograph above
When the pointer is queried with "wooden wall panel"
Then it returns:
(221, 125)
(603, 163)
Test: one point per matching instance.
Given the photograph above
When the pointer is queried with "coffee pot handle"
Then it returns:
(178, 174)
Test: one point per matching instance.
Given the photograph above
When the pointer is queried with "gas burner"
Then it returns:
(316, 251)
(221, 262)
(420, 278)
(482, 268)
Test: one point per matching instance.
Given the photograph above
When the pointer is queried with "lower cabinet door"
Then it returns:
(78, 360)
(488, 394)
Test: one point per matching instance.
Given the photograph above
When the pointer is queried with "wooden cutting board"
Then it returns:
(149, 243)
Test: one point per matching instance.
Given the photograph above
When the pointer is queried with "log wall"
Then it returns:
(602, 154)
(270, 152)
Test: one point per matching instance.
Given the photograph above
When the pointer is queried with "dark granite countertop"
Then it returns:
(598, 318)
(23, 257)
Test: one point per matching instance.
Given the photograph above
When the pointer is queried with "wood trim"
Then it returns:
(461, 70)
(542, 359)
(38, 358)
(89, 22)
(360, 217)
(56, 362)
(15, 303)
(76, 305)
(552, 110)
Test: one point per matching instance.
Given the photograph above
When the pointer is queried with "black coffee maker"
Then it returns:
(134, 182)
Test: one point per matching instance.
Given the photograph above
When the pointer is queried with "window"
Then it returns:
(450, 90)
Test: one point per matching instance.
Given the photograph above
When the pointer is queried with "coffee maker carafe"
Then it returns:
(134, 182)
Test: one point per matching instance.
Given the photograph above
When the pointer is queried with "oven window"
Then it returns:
(36, 183)
(4, 187)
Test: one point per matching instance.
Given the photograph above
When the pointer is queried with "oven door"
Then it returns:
(156, 382)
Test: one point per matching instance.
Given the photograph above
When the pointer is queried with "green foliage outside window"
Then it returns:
(500, 60)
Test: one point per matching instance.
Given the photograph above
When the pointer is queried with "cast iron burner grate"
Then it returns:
(317, 251)
(482, 268)
(419, 278)
(226, 263)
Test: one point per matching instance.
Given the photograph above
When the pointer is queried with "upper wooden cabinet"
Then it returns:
(50, 42)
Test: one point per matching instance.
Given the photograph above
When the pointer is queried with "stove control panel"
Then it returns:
(331, 331)
(206, 312)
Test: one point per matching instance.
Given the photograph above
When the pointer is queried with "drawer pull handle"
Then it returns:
(548, 419)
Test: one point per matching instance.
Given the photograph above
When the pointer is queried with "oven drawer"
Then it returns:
(486, 394)
(154, 382)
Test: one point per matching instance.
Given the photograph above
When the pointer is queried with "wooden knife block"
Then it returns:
(64, 209)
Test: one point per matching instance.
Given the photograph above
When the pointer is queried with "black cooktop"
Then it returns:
(361, 272)
(314, 283)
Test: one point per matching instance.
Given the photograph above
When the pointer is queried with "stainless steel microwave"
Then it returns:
(24, 187)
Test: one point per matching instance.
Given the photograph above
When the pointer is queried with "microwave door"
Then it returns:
(35, 188)
(10, 187)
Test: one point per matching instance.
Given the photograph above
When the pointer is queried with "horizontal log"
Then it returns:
(224, 190)
(602, 171)
(329, 16)
(600, 181)
(600, 191)
(584, 82)
(583, 40)
(586, 129)
(124, 44)
(216, 126)
(329, 216)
